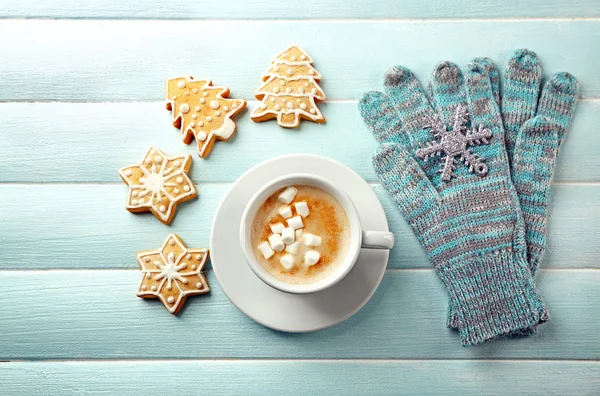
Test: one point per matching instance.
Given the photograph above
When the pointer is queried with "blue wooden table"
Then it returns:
(81, 92)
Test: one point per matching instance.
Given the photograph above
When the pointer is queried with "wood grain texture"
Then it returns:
(129, 60)
(308, 9)
(377, 378)
(95, 314)
(67, 245)
(87, 226)
(89, 142)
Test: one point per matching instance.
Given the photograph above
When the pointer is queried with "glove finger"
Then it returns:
(485, 120)
(448, 91)
(520, 96)
(558, 101)
(405, 181)
(415, 108)
(410, 102)
(493, 73)
(536, 150)
(381, 117)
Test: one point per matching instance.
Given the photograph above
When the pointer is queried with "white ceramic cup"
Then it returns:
(359, 238)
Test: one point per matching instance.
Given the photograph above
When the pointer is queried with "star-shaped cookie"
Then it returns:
(172, 273)
(201, 111)
(158, 184)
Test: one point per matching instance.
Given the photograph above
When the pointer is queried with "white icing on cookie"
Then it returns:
(223, 132)
(289, 70)
(156, 178)
(167, 275)
(190, 124)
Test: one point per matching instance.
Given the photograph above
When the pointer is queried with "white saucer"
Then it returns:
(276, 309)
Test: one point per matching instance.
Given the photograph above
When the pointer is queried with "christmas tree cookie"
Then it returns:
(290, 90)
(201, 111)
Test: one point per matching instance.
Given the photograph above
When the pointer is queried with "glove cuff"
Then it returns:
(492, 295)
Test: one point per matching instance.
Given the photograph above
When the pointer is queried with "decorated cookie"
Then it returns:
(201, 111)
(290, 90)
(158, 183)
(172, 273)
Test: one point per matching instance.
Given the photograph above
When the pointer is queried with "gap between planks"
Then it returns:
(388, 270)
(225, 183)
(317, 20)
(250, 102)
(297, 360)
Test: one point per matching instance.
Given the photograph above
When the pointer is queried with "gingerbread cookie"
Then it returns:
(290, 90)
(172, 273)
(201, 111)
(158, 184)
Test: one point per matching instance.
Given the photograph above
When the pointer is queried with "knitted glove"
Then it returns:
(466, 215)
(535, 125)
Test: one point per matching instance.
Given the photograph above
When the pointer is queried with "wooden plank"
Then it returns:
(572, 239)
(95, 314)
(310, 9)
(72, 148)
(129, 60)
(78, 226)
(379, 378)
(66, 147)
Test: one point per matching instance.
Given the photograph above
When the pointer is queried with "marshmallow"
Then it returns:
(302, 208)
(293, 248)
(299, 234)
(295, 222)
(285, 211)
(288, 195)
(276, 242)
(287, 235)
(312, 257)
(266, 250)
(287, 261)
(311, 240)
(277, 228)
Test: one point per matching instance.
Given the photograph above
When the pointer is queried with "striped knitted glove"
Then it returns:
(535, 124)
(467, 216)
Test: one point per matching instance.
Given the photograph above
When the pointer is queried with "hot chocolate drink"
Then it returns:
(300, 234)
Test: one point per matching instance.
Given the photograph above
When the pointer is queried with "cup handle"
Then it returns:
(377, 240)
